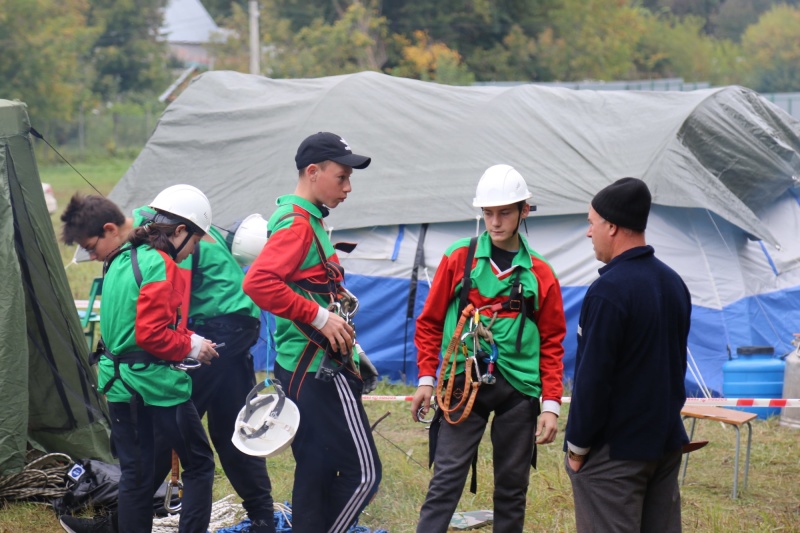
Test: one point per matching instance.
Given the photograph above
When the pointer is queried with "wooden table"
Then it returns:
(726, 416)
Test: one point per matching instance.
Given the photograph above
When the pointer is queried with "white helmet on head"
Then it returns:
(500, 185)
(249, 238)
(187, 202)
(267, 424)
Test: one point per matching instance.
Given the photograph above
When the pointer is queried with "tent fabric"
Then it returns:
(47, 389)
(722, 163)
(426, 139)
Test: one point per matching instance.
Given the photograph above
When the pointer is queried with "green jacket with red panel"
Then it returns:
(289, 256)
(216, 280)
(143, 318)
(536, 369)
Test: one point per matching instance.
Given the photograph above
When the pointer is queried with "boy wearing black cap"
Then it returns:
(624, 431)
(297, 277)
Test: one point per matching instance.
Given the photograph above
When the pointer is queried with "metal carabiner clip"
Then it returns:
(187, 364)
(433, 407)
(168, 507)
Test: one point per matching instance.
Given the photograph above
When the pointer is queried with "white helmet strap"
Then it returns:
(252, 403)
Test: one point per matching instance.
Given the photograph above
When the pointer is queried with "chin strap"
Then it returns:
(175, 251)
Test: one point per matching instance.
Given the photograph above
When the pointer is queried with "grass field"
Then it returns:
(771, 502)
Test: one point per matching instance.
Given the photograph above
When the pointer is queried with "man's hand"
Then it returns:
(207, 352)
(574, 465)
(339, 333)
(547, 428)
(422, 398)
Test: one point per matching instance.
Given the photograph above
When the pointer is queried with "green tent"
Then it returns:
(48, 391)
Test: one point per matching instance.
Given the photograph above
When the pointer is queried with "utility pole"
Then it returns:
(255, 47)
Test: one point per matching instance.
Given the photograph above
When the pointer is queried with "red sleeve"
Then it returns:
(552, 330)
(155, 313)
(430, 323)
(280, 261)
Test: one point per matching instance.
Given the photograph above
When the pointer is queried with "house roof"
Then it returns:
(187, 21)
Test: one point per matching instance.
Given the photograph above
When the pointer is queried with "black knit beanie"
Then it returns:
(626, 203)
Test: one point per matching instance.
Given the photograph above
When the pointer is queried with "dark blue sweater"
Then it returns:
(628, 387)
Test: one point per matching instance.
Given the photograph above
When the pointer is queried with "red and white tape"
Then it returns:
(719, 402)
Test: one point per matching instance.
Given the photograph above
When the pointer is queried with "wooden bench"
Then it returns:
(726, 416)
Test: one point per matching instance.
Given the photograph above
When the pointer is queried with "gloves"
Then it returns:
(369, 374)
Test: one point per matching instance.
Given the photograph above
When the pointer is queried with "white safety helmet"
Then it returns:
(267, 423)
(249, 238)
(500, 185)
(187, 202)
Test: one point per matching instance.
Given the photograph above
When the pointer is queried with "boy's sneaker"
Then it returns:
(100, 524)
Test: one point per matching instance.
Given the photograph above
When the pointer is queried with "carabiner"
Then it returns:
(168, 497)
(433, 407)
(187, 364)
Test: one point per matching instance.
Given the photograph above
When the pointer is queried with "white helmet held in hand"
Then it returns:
(267, 423)
(187, 202)
(249, 238)
(500, 185)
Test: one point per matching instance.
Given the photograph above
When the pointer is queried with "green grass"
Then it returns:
(101, 174)
(771, 502)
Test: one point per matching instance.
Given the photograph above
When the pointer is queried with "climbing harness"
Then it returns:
(175, 483)
(144, 358)
(341, 301)
(476, 332)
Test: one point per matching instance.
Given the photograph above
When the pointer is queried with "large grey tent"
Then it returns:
(47, 389)
(722, 163)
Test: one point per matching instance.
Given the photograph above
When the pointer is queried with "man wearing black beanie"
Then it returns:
(624, 431)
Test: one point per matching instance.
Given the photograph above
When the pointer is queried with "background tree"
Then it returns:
(130, 55)
(353, 42)
(771, 50)
(427, 60)
(673, 47)
(43, 43)
(734, 16)
(590, 39)
(222, 9)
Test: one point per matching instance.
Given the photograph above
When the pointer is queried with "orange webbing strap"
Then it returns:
(174, 483)
(470, 387)
(176, 469)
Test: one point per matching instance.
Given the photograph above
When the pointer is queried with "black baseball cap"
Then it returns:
(325, 146)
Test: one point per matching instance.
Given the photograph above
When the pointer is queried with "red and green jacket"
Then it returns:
(537, 369)
(218, 289)
(290, 255)
(135, 318)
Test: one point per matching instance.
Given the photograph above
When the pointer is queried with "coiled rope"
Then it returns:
(226, 512)
(42, 478)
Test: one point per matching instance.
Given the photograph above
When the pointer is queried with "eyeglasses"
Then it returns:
(92, 249)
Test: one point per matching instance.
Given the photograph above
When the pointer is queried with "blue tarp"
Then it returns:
(387, 335)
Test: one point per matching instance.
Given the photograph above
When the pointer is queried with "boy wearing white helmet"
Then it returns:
(219, 310)
(506, 300)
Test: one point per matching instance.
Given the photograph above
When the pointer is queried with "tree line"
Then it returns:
(63, 56)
